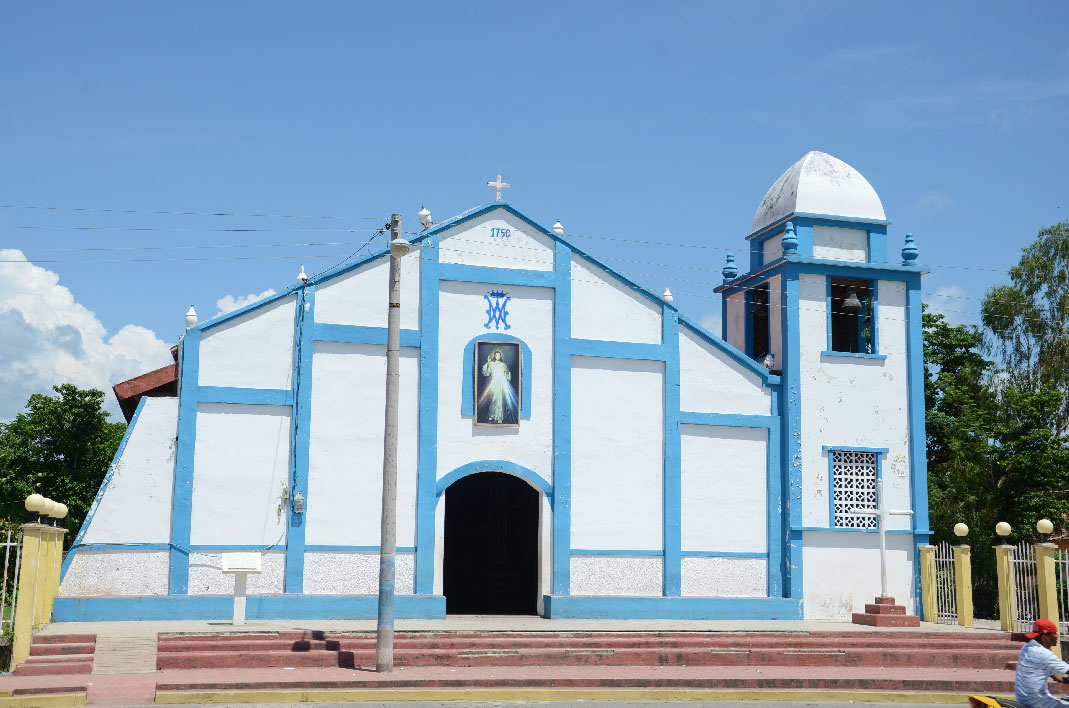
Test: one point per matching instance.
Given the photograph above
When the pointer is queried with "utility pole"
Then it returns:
(388, 535)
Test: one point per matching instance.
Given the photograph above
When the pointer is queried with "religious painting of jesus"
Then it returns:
(498, 376)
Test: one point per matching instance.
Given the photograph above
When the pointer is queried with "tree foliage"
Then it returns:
(60, 447)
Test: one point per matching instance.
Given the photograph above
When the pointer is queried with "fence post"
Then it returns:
(1048, 591)
(928, 606)
(28, 581)
(57, 569)
(44, 575)
(1007, 595)
(963, 584)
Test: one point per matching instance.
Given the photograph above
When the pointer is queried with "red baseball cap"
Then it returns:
(1042, 626)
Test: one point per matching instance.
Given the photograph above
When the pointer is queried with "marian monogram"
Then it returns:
(496, 313)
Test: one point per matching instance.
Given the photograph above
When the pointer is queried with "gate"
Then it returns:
(946, 608)
(12, 545)
(1025, 585)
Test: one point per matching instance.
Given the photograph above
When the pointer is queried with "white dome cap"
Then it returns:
(819, 184)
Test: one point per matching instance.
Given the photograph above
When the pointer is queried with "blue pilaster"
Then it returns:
(303, 347)
(562, 420)
(673, 501)
(776, 574)
(182, 494)
(428, 415)
(792, 429)
(918, 452)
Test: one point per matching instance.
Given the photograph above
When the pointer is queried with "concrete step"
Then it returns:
(885, 620)
(49, 690)
(51, 668)
(63, 639)
(884, 609)
(61, 649)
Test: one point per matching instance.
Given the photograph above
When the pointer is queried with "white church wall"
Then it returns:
(617, 575)
(772, 249)
(839, 244)
(136, 506)
(346, 441)
(710, 381)
(242, 462)
(605, 308)
(354, 573)
(617, 453)
(724, 577)
(497, 240)
(853, 401)
(462, 309)
(724, 482)
(361, 296)
(841, 571)
(254, 350)
(95, 573)
(736, 321)
(206, 576)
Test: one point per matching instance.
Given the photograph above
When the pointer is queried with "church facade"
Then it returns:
(571, 444)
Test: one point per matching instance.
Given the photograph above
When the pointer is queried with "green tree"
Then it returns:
(1028, 320)
(60, 447)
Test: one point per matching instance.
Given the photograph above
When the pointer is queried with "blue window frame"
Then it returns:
(853, 331)
(852, 476)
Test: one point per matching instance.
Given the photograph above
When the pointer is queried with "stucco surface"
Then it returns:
(771, 249)
(349, 573)
(254, 350)
(137, 503)
(839, 244)
(361, 296)
(206, 576)
(116, 572)
(841, 571)
(346, 442)
(724, 577)
(617, 575)
(605, 308)
(617, 453)
(476, 243)
(710, 381)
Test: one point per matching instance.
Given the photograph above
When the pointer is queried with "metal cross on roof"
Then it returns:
(498, 185)
(881, 513)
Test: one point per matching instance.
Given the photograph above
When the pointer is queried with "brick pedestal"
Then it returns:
(883, 612)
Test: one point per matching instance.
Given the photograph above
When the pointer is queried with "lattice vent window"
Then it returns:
(854, 475)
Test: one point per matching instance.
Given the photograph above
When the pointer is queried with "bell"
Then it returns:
(851, 302)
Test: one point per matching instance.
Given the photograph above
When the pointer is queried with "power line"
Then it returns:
(187, 213)
(176, 228)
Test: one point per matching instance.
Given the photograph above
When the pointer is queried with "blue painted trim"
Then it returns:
(818, 220)
(467, 391)
(354, 334)
(879, 452)
(352, 549)
(103, 488)
(850, 448)
(837, 529)
(78, 546)
(182, 494)
(497, 276)
(245, 396)
(723, 318)
(562, 421)
(877, 246)
(747, 320)
(854, 355)
(726, 554)
(426, 496)
(658, 553)
(672, 495)
(875, 316)
(200, 548)
(257, 607)
(844, 269)
(234, 314)
(300, 440)
(918, 453)
(729, 420)
(827, 315)
(792, 432)
(774, 498)
(610, 607)
(617, 350)
(530, 476)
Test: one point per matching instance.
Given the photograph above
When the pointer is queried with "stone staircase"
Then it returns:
(59, 654)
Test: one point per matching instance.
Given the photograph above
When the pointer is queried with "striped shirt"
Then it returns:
(1035, 665)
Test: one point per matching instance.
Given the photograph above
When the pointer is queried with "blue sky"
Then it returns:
(662, 122)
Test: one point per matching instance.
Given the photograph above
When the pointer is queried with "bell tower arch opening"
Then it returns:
(491, 545)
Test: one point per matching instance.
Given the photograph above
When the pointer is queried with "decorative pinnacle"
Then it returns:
(909, 251)
(730, 271)
(191, 318)
(667, 297)
(790, 240)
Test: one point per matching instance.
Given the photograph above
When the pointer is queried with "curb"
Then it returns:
(45, 700)
(547, 694)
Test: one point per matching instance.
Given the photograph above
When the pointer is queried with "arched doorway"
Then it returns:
(491, 545)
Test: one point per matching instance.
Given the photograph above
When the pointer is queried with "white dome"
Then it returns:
(819, 184)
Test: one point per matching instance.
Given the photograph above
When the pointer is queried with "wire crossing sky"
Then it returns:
(155, 156)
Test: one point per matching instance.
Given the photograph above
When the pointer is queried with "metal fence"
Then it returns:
(1061, 581)
(1025, 585)
(946, 608)
(12, 545)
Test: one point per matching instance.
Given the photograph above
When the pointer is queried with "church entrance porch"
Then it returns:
(491, 545)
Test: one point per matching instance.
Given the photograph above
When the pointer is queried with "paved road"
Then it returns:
(587, 704)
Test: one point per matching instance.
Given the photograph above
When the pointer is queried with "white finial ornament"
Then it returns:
(498, 185)
(558, 229)
(668, 295)
(191, 318)
(302, 277)
(425, 218)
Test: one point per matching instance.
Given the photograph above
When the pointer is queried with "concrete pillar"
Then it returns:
(963, 584)
(928, 606)
(1048, 591)
(28, 581)
(1007, 593)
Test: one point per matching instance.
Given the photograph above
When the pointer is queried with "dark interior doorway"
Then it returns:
(491, 546)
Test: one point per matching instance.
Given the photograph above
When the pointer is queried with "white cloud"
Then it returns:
(229, 303)
(49, 338)
(950, 301)
(711, 322)
(932, 200)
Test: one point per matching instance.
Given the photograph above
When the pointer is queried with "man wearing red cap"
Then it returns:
(1036, 664)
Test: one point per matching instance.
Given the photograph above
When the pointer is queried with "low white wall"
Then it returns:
(724, 577)
(841, 571)
(116, 572)
(617, 575)
(353, 573)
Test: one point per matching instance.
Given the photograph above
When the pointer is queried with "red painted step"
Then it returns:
(64, 639)
(50, 668)
(56, 654)
(61, 649)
